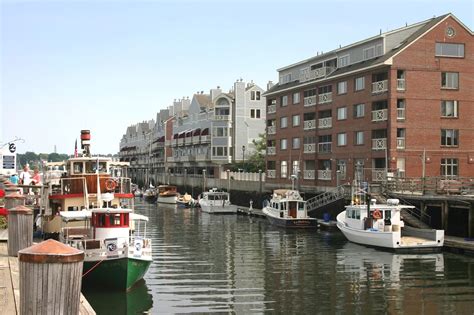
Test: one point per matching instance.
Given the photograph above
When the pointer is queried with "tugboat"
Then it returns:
(117, 252)
(288, 209)
(78, 183)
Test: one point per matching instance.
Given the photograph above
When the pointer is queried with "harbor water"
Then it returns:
(207, 263)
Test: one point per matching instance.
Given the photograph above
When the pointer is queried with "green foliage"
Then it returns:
(3, 222)
(256, 161)
(34, 159)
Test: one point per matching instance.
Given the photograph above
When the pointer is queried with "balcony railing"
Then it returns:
(401, 84)
(401, 113)
(195, 139)
(324, 174)
(378, 174)
(309, 101)
(324, 123)
(309, 174)
(221, 117)
(379, 115)
(309, 148)
(271, 150)
(324, 147)
(271, 173)
(205, 139)
(325, 98)
(314, 74)
(309, 124)
(379, 86)
(379, 144)
(400, 143)
(271, 130)
(271, 109)
(203, 157)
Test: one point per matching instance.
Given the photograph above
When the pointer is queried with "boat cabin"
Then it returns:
(289, 203)
(381, 217)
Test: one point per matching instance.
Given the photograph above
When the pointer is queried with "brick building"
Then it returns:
(400, 103)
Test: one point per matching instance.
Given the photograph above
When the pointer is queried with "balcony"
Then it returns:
(379, 144)
(400, 84)
(195, 139)
(380, 115)
(205, 139)
(324, 123)
(203, 157)
(271, 130)
(400, 143)
(271, 109)
(221, 117)
(309, 174)
(314, 74)
(379, 86)
(324, 174)
(324, 147)
(271, 150)
(309, 124)
(325, 98)
(309, 101)
(271, 173)
(378, 174)
(400, 113)
(309, 148)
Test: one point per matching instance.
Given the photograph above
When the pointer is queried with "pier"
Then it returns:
(10, 284)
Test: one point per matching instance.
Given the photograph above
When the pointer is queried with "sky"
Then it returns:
(105, 65)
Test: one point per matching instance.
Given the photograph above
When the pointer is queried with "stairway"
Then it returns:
(410, 216)
(325, 198)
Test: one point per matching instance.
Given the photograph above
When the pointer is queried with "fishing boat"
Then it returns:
(214, 201)
(288, 209)
(381, 225)
(150, 195)
(78, 183)
(117, 252)
(167, 194)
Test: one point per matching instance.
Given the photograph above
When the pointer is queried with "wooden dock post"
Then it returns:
(13, 198)
(20, 229)
(50, 278)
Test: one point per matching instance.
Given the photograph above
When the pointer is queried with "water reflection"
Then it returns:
(137, 301)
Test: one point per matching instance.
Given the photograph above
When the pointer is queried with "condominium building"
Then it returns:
(397, 104)
(204, 134)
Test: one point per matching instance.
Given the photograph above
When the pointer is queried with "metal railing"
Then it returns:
(271, 109)
(309, 148)
(379, 115)
(379, 86)
(325, 98)
(309, 101)
(325, 147)
(430, 185)
(309, 124)
(271, 150)
(271, 130)
(324, 123)
(324, 174)
(309, 174)
(325, 198)
(379, 144)
(271, 173)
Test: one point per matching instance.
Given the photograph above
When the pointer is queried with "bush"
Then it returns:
(3, 222)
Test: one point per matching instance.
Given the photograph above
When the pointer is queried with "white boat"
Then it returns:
(214, 201)
(167, 194)
(117, 251)
(288, 209)
(150, 195)
(185, 200)
(381, 225)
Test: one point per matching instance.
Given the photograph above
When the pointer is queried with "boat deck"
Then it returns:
(412, 240)
(10, 285)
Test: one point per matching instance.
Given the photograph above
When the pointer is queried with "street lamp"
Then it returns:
(228, 180)
(243, 156)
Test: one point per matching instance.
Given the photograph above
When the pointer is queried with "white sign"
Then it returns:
(137, 247)
(111, 247)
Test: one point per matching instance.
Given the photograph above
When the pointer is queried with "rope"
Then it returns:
(98, 263)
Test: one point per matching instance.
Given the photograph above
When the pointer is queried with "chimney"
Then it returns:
(270, 85)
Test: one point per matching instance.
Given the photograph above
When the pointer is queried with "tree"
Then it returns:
(256, 160)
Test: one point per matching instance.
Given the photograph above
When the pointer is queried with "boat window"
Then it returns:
(77, 167)
(115, 219)
(388, 214)
(357, 214)
(283, 205)
(300, 206)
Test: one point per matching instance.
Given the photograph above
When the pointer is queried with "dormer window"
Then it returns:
(344, 61)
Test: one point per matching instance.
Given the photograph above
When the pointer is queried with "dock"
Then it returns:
(10, 284)
(459, 245)
(250, 212)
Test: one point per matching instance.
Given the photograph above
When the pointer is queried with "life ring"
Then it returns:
(377, 214)
(110, 184)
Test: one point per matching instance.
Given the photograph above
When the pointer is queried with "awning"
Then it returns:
(175, 136)
(205, 132)
(197, 132)
(189, 133)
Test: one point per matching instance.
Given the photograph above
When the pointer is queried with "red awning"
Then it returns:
(189, 133)
(205, 132)
(197, 132)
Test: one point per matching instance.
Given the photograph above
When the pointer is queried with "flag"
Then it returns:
(75, 149)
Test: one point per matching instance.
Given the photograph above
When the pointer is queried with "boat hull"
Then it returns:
(292, 223)
(118, 274)
(218, 209)
(167, 199)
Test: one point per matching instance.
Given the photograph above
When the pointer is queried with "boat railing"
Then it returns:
(111, 247)
(80, 185)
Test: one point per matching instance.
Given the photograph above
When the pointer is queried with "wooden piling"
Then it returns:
(20, 229)
(50, 278)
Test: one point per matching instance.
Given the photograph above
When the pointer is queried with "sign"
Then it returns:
(12, 147)
(111, 247)
(137, 247)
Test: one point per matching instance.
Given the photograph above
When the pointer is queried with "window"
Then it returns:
(342, 87)
(285, 78)
(284, 100)
(342, 113)
(379, 49)
(359, 110)
(400, 109)
(309, 93)
(359, 83)
(284, 169)
(220, 132)
(449, 50)
(343, 61)
(219, 151)
(296, 143)
(369, 53)
(296, 167)
(255, 113)
(341, 167)
(296, 120)
(255, 95)
(283, 144)
(449, 109)
(401, 167)
(359, 138)
(449, 80)
(296, 98)
(341, 139)
(449, 137)
(449, 167)
(283, 122)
